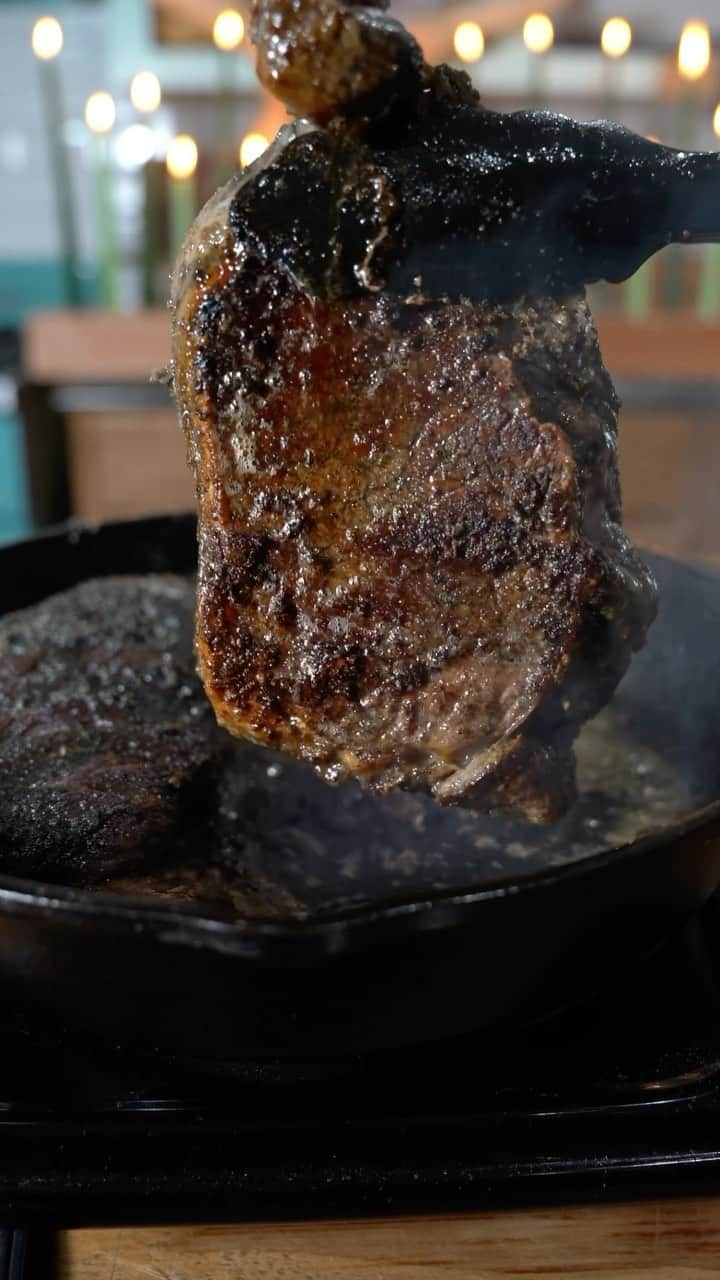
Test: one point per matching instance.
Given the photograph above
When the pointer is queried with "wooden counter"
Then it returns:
(126, 458)
(109, 346)
(666, 1240)
(61, 347)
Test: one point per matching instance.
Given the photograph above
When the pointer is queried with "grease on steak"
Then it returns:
(333, 61)
(255, 834)
(412, 568)
(105, 734)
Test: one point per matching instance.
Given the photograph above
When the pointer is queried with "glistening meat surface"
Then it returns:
(412, 568)
(412, 565)
(105, 736)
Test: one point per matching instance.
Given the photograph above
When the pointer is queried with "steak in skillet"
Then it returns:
(105, 734)
(412, 565)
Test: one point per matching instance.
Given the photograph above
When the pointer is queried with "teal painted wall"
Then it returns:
(26, 286)
(15, 519)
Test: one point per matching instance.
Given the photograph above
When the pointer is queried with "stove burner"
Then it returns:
(620, 1097)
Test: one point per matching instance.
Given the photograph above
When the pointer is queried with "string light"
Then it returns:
(694, 50)
(135, 146)
(228, 29)
(469, 41)
(252, 146)
(616, 37)
(716, 121)
(182, 156)
(100, 112)
(538, 33)
(145, 91)
(47, 38)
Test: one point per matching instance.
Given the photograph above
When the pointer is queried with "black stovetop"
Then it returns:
(619, 1098)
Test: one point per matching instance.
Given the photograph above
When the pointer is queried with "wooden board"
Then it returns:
(670, 344)
(122, 464)
(63, 347)
(668, 1240)
(127, 463)
(108, 346)
(669, 466)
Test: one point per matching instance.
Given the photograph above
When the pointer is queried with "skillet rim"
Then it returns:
(328, 931)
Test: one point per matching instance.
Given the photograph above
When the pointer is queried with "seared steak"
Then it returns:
(412, 565)
(412, 568)
(115, 775)
(105, 733)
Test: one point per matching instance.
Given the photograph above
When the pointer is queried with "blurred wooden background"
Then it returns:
(116, 434)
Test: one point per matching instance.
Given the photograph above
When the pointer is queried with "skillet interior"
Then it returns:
(305, 850)
(368, 972)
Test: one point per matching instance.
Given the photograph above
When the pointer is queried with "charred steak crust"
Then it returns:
(447, 193)
(411, 555)
(105, 733)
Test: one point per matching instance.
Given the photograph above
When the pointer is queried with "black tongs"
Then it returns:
(459, 201)
(419, 187)
(503, 204)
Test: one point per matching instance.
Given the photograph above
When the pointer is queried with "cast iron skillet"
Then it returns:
(417, 965)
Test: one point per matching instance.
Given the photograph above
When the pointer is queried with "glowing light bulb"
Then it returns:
(694, 50)
(616, 37)
(716, 121)
(145, 91)
(469, 41)
(135, 146)
(182, 156)
(538, 33)
(228, 29)
(100, 112)
(47, 38)
(252, 146)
